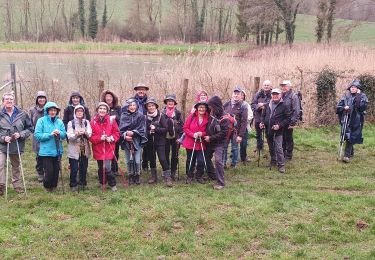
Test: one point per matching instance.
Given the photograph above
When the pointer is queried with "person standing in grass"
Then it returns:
(105, 134)
(239, 111)
(292, 102)
(133, 136)
(195, 131)
(274, 119)
(175, 125)
(352, 107)
(79, 131)
(258, 103)
(244, 143)
(216, 135)
(37, 112)
(157, 128)
(49, 132)
(74, 100)
(115, 112)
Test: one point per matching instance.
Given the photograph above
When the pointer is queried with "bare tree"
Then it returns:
(288, 10)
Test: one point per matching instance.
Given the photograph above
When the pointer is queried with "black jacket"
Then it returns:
(260, 97)
(161, 129)
(175, 124)
(217, 127)
(291, 101)
(239, 111)
(280, 116)
(69, 110)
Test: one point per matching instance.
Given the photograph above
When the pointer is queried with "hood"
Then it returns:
(49, 105)
(76, 93)
(40, 94)
(77, 107)
(124, 109)
(217, 105)
(115, 98)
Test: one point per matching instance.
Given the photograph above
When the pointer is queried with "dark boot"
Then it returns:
(154, 176)
(137, 174)
(130, 173)
(173, 175)
(167, 178)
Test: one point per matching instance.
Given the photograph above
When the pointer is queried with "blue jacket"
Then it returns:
(43, 130)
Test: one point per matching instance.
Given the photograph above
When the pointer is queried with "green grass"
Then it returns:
(310, 212)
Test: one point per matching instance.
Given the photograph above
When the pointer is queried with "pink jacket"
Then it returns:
(192, 126)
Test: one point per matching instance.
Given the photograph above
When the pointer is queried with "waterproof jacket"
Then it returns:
(356, 115)
(21, 123)
(192, 126)
(161, 129)
(103, 150)
(175, 123)
(43, 130)
(217, 127)
(35, 113)
(260, 97)
(75, 142)
(69, 110)
(115, 109)
(239, 111)
(141, 103)
(280, 116)
(135, 122)
(291, 101)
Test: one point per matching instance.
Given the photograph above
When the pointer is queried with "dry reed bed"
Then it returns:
(220, 73)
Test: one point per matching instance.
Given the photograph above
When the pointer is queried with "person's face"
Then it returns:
(267, 87)
(285, 88)
(353, 89)
(52, 112)
(108, 99)
(151, 108)
(236, 95)
(170, 103)
(276, 96)
(8, 101)
(202, 109)
(242, 96)
(141, 92)
(102, 111)
(79, 113)
(42, 101)
(203, 97)
(75, 100)
(132, 107)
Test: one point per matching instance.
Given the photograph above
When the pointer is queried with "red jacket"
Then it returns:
(103, 150)
(192, 126)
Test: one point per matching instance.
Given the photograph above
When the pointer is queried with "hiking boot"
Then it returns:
(154, 176)
(74, 189)
(1, 190)
(40, 177)
(136, 180)
(201, 181)
(346, 159)
(218, 187)
(131, 180)
(232, 166)
(281, 169)
(173, 175)
(167, 178)
(271, 164)
(114, 188)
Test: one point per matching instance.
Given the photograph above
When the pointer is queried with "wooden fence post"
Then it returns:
(14, 81)
(101, 88)
(256, 85)
(184, 96)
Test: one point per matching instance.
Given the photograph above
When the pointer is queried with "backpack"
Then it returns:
(232, 125)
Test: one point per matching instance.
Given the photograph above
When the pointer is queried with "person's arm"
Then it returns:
(243, 119)
(96, 138)
(27, 127)
(70, 132)
(39, 133)
(186, 128)
(162, 127)
(62, 129)
(295, 110)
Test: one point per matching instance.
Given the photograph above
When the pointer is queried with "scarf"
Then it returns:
(170, 112)
(151, 116)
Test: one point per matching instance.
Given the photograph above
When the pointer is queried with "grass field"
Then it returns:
(321, 208)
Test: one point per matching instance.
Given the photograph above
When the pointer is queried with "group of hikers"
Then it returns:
(144, 131)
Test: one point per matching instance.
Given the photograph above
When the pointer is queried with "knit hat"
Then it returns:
(170, 97)
(102, 104)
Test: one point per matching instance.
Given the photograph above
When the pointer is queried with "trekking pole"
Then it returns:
(7, 174)
(192, 154)
(262, 138)
(204, 157)
(342, 135)
(124, 181)
(19, 157)
(103, 168)
(57, 142)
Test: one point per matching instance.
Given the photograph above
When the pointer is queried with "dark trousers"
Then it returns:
(144, 159)
(114, 166)
(172, 159)
(349, 149)
(288, 143)
(243, 146)
(109, 176)
(196, 160)
(51, 171)
(260, 141)
(275, 145)
(81, 167)
(39, 165)
(151, 153)
(216, 172)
